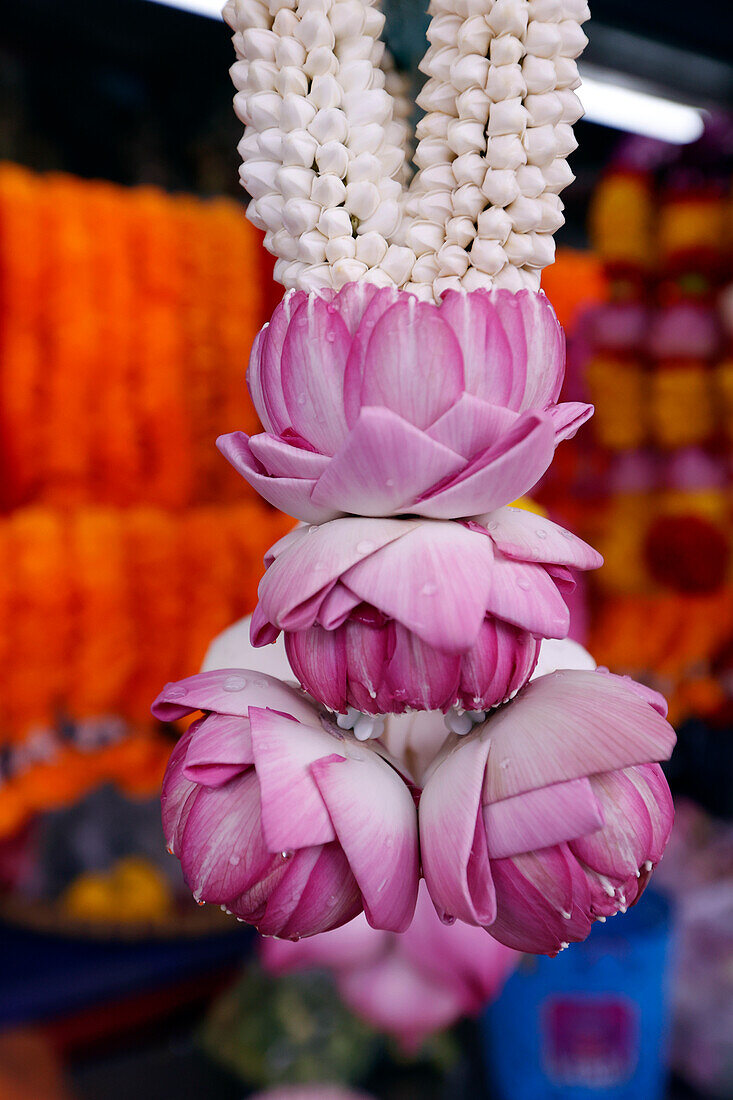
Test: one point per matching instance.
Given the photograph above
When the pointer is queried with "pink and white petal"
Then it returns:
(541, 818)
(314, 356)
(649, 695)
(222, 848)
(337, 606)
(283, 459)
(220, 748)
(524, 536)
(568, 416)
(289, 494)
(330, 897)
(487, 357)
(435, 581)
(313, 561)
(562, 653)
(568, 725)
(366, 650)
(376, 824)
(650, 781)
(507, 471)
(471, 425)
(379, 303)
(353, 300)
(261, 630)
(522, 593)
(318, 659)
(334, 950)
(619, 849)
(421, 676)
(383, 466)
(232, 691)
(177, 791)
(534, 892)
(294, 814)
(452, 838)
(291, 539)
(263, 383)
(395, 996)
(413, 363)
(537, 343)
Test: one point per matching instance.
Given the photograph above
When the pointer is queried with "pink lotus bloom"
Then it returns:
(277, 815)
(385, 614)
(409, 985)
(377, 404)
(552, 814)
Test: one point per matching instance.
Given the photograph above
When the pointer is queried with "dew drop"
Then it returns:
(505, 763)
(540, 533)
(366, 546)
(493, 525)
(175, 691)
(330, 337)
(234, 860)
(200, 901)
(447, 919)
(429, 589)
(235, 682)
(287, 854)
(302, 399)
(295, 938)
(524, 584)
(568, 535)
(389, 482)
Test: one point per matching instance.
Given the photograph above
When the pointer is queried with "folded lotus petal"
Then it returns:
(568, 725)
(413, 363)
(291, 539)
(498, 665)
(263, 374)
(355, 299)
(283, 459)
(490, 368)
(353, 944)
(381, 847)
(436, 675)
(337, 606)
(453, 843)
(564, 580)
(471, 425)
(312, 562)
(435, 580)
(270, 900)
(540, 818)
(261, 630)
(534, 898)
(232, 691)
(506, 471)
(396, 997)
(328, 898)
(289, 494)
(317, 657)
(366, 654)
(524, 536)
(177, 792)
(537, 345)
(293, 812)
(383, 466)
(314, 355)
(649, 780)
(222, 849)
(568, 416)
(220, 748)
(620, 848)
(649, 695)
(379, 303)
(522, 593)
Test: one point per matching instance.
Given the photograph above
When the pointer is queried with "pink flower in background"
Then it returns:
(384, 614)
(310, 1092)
(277, 815)
(409, 985)
(377, 404)
(553, 813)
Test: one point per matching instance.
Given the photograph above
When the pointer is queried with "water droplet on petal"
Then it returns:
(235, 682)
(287, 854)
(505, 763)
(234, 860)
(524, 584)
(301, 399)
(366, 546)
(429, 589)
(175, 691)
(540, 533)
(447, 918)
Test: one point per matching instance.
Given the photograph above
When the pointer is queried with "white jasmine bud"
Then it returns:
(557, 175)
(239, 72)
(371, 249)
(269, 144)
(572, 39)
(446, 282)
(577, 10)
(437, 96)
(329, 124)
(460, 230)
(500, 186)
(362, 199)
(285, 245)
(566, 73)
(435, 206)
(358, 76)
(314, 30)
(572, 108)
(328, 191)
(422, 291)
(298, 147)
(426, 269)
(289, 51)
(291, 81)
(332, 159)
(525, 214)
(340, 248)
(543, 39)
(466, 135)
(312, 247)
(452, 260)
(506, 151)
(438, 177)
(378, 277)
(350, 49)
(365, 107)
(530, 180)
(508, 17)
(540, 144)
(494, 224)
(320, 60)
(423, 236)
(295, 182)
(286, 25)
(258, 42)
(392, 158)
(348, 271)
(469, 168)
(244, 15)
(347, 18)
(262, 76)
(365, 166)
(444, 29)
(539, 74)
(552, 213)
(543, 109)
(473, 35)
(437, 61)
(469, 71)
(476, 280)
(270, 209)
(546, 11)
(296, 113)
(263, 109)
(506, 82)
(317, 277)
(398, 263)
(474, 104)
(335, 222)
(325, 92)
(487, 255)
(506, 50)
(255, 217)
(468, 200)
(509, 278)
(565, 140)
(373, 21)
(507, 117)
(258, 177)
(432, 151)
(366, 138)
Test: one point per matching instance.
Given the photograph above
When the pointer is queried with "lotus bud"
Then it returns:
(335, 222)
(398, 263)
(506, 82)
(495, 224)
(332, 159)
(500, 185)
(325, 92)
(507, 17)
(294, 182)
(506, 50)
(296, 113)
(328, 191)
(506, 151)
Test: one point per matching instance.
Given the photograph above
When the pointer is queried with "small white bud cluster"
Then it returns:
(322, 157)
(493, 144)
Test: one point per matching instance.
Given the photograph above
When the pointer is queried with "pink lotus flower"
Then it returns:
(384, 614)
(376, 404)
(277, 815)
(409, 985)
(551, 815)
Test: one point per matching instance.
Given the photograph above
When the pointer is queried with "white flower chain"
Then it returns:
(324, 149)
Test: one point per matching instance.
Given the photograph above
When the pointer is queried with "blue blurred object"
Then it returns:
(591, 1024)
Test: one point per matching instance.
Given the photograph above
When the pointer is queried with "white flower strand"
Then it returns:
(322, 157)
